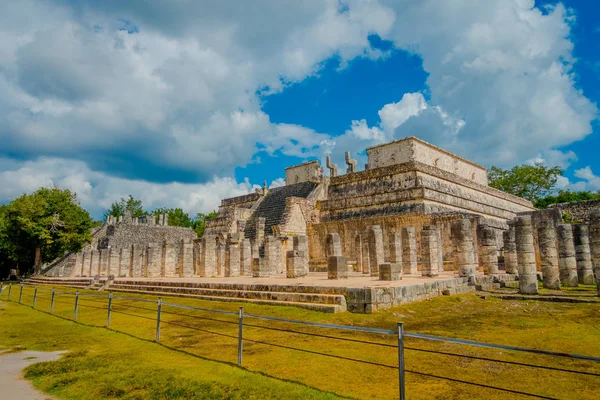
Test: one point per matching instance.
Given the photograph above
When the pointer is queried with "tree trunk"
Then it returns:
(38, 261)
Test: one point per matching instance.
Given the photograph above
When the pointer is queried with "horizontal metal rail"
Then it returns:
(201, 309)
(499, 346)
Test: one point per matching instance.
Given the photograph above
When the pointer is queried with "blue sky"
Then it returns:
(185, 105)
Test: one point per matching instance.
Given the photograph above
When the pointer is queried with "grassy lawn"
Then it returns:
(115, 365)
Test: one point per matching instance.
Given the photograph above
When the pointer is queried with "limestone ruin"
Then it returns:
(415, 212)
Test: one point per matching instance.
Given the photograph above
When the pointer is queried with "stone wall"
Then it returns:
(412, 149)
(307, 172)
(124, 235)
(578, 211)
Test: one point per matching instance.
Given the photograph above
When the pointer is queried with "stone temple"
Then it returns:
(415, 223)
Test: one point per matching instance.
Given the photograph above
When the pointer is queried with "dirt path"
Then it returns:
(13, 385)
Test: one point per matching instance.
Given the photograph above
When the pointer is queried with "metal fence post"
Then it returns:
(158, 319)
(76, 305)
(401, 360)
(240, 337)
(109, 309)
(9, 290)
(21, 294)
(52, 301)
(34, 296)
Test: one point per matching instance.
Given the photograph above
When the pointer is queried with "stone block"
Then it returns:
(409, 251)
(333, 244)
(170, 262)
(376, 249)
(337, 267)
(296, 264)
(125, 263)
(390, 272)
(260, 268)
(186, 259)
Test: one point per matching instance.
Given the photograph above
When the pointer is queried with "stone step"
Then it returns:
(59, 282)
(488, 286)
(328, 308)
(239, 294)
(258, 287)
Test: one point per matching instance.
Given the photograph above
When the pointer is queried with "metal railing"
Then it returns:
(242, 318)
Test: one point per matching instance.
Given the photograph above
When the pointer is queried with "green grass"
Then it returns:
(118, 365)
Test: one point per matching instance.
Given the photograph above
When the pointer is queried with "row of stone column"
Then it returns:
(153, 260)
(163, 219)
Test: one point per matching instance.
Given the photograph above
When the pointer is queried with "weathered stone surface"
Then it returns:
(510, 250)
(526, 255)
(334, 248)
(366, 260)
(464, 247)
(358, 252)
(246, 258)
(154, 260)
(300, 245)
(567, 260)
(124, 268)
(103, 268)
(138, 260)
(232, 255)
(337, 267)
(169, 260)
(488, 251)
(583, 254)
(296, 264)
(549, 256)
(260, 268)
(429, 251)
(273, 254)
(208, 258)
(390, 272)
(595, 245)
(376, 250)
(395, 247)
(409, 251)
(186, 259)
(87, 264)
(114, 260)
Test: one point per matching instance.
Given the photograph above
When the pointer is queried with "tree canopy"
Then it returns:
(565, 196)
(531, 182)
(200, 222)
(50, 220)
(130, 204)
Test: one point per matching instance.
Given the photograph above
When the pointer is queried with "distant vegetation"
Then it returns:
(537, 183)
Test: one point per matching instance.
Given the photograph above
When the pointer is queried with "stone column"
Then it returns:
(409, 251)
(365, 261)
(170, 261)
(526, 255)
(333, 245)
(376, 251)
(390, 272)
(220, 258)
(103, 270)
(78, 264)
(186, 259)
(138, 253)
(549, 256)
(583, 254)
(567, 261)
(595, 245)
(259, 268)
(95, 264)
(300, 244)
(125, 262)
(260, 230)
(488, 251)
(208, 256)
(358, 256)
(295, 264)
(395, 247)
(161, 219)
(246, 258)
(510, 250)
(114, 261)
(232, 255)
(86, 269)
(440, 241)
(429, 251)
(337, 267)
(166, 220)
(273, 254)
(154, 260)
(464, 247)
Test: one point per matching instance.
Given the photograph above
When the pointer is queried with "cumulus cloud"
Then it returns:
(96, 190)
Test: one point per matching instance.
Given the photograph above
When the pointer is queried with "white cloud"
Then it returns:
(96, 191)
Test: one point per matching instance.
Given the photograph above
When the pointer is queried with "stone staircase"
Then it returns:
(325, 299)
(81, 283)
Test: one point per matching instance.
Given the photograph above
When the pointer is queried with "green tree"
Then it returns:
(43, 226)
(200, 222)
(131, 204)
(177, 217)
(531, 182)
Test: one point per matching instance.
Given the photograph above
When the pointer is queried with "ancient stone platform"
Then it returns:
(359, 293)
